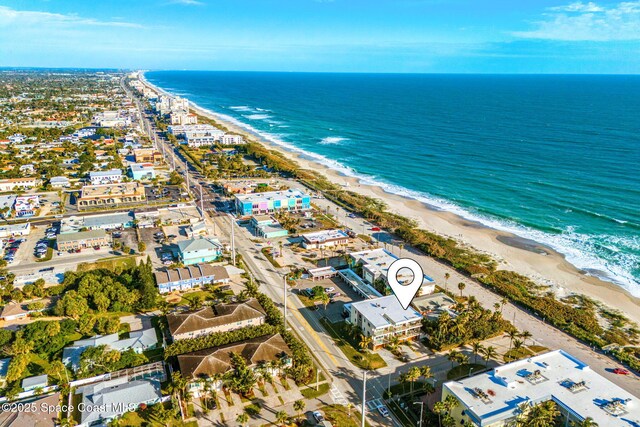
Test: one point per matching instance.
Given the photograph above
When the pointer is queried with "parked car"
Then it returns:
(375, 229)
(351, 215)
(329, 289)
(317, 415)
(383, 411)
(620, 371)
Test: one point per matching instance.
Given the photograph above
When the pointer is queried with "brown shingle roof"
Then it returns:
(191, 272)
(210, 317)
(217, 360)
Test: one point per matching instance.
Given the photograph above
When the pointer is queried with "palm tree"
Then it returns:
(513, 334)
(453, 356)
(324, 298)
(489, 353)
(365, 342)
(517, 344)
(282, 417)
(299, 406)
(447, 276)
(476, 348)
(440, 408)
(587, 422)
(525, 335)
(461, 287)
(503, 301)
(413, 375)
(425, 372)
(243, 418)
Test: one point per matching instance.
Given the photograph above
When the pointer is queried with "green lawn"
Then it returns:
(340, 335)
(339, 416)
(517, 354)
(111, 263)
(312, 393)
(463, 370)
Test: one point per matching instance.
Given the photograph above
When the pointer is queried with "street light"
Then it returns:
(421, 409)
(285, 299)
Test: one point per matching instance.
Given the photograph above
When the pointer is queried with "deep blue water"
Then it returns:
(551, 158)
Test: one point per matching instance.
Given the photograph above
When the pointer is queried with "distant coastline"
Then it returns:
(539, 262)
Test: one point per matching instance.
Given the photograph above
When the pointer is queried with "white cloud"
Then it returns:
(187, 2)
(12, 17)
(588, 22)
(579, 7)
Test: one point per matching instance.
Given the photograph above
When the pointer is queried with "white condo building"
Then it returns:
(383, 318)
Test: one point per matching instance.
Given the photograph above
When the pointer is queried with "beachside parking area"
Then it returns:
(334, 309)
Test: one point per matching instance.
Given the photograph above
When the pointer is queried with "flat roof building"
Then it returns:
(495, 398)
(108, 195)
(383, 318)
(324, 238)
(105, 177)
(83, 239)
(272, 201)
(375, 265)
(142, 171)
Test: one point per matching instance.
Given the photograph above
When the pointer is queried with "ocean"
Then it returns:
(551, 158)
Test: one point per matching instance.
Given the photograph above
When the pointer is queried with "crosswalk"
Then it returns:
(336, 396)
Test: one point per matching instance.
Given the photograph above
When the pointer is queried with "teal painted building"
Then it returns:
(200, 249)
(271, 202)
(267, 227)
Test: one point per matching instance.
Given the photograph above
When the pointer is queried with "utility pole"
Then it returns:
(285, 300)
(233, 242)
(364, 395)
(421, 409)
(201, 202)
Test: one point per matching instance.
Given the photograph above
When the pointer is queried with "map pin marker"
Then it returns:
(405, 291)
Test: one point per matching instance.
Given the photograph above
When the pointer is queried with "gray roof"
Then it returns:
(38, 381)
(198, 244)
(105, 173)
(138, 340)
(108, 219)
(81, 235)
(115, 394)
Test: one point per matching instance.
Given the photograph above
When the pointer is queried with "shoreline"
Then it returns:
(537, 261)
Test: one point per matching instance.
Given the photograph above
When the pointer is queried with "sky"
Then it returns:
(403, 36)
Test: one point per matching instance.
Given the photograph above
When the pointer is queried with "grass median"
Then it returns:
(342, 338)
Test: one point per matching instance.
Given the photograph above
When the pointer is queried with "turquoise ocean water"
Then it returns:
(555, 159)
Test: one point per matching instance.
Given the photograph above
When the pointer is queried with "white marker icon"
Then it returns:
(402, 290)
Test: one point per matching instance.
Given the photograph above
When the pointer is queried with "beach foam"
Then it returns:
(332, 140)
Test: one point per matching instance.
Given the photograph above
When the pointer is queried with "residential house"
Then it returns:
(217, 318)
(383, 318)
(189, 277)
(59, 182)
(38, 415)
(105, 177)
(138, 341)
(199, 250)
(269, 352)
(15, 184)
(37, 382)
(114, 398)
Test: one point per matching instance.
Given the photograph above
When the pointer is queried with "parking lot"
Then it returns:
(335, 309)
(167, 193)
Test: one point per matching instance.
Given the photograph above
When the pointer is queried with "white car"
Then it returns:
(317, 415)
(329, 289)
(383, 411)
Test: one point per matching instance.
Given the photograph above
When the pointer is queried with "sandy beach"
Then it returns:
(540, 263)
